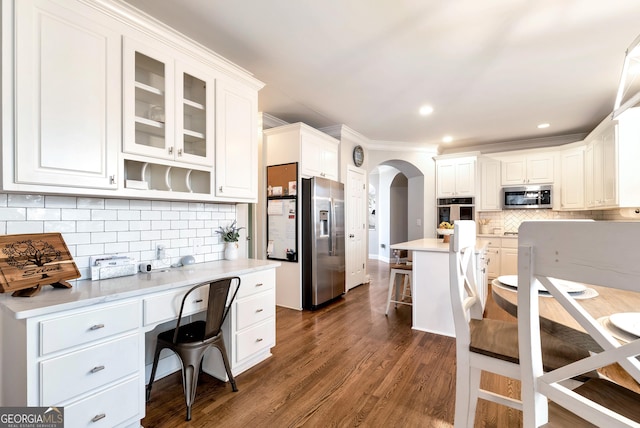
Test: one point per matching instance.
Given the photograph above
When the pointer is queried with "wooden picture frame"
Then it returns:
(29, 261)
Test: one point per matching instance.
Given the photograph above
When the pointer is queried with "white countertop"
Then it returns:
(86, 293)
(426, 244)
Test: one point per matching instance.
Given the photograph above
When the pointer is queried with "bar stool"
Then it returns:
(405, 270)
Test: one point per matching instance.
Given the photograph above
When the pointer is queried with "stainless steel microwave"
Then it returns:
(526, 197)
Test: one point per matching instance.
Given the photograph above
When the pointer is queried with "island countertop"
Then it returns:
(86, 292)
(428, 244)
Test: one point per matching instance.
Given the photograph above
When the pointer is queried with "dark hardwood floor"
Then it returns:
(340, 366)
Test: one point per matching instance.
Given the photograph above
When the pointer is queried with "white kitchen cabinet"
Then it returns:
(572, 178)
(600, 166)
(456, 176)
(490, 196)
(236, 161)
(492, 255)
(316, 151)
(535, 168)
(319, 155)
(86, 360)
(67, 119)
(250, 329)
(509, 256)
(168, 105)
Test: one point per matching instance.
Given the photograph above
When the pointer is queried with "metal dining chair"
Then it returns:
(482, 344)
(191, 341)
(596, 253)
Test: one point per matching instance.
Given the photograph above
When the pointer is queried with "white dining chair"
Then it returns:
(400, 294)
(484, 344)
(597, 253)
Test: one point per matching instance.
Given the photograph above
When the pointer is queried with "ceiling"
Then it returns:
(492, 70)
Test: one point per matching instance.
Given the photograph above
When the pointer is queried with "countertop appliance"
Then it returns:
(323, 247)
(527, 197)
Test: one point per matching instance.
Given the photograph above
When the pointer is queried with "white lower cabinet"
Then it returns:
(501, 254)
(250, 328)
(86, 360)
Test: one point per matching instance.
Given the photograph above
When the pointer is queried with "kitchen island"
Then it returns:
(431, 310)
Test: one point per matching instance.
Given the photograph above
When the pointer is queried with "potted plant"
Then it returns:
(230, 235)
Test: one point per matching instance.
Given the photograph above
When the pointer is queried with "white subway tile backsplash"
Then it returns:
(43, 214)
(75, 214)
(128, 215)
(14, 227)
(104, 214)
(116, 204)
(92, 203)
(170, 215)
(13, 214)
(25, 200)
(89, 226)
(76, 238)
(59, 226)
(116, 226)
(53, 201)
(103, 237)
(139, 225)
(128, 236)
(150, 215)
(89, 249)
(93, 226)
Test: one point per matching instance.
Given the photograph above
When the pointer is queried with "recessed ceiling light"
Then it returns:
(447, 139)
(543, 125)
(426, 110)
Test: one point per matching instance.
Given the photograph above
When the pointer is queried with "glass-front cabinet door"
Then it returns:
(194, 116)
(168, 106)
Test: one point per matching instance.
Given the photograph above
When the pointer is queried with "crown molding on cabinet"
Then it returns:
(269, 121)
(150, 26)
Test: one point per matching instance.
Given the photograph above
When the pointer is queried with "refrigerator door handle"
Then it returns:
(332, 233)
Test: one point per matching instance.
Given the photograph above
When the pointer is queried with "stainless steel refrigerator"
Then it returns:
(323, 265)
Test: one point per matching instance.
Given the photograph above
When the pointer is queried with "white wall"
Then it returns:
(93, 226)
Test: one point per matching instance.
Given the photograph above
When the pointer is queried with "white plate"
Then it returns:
(627, 321)
(568, 286)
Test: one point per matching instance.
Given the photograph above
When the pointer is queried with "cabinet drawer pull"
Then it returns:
(179, 152)
(259, 284)
(171, 150)
(96, 418)
(198, 301)
(96, 327)
(259, 310)
(259, 339)
(97, 369)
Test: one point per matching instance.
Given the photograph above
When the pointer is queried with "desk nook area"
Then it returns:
(84, 348)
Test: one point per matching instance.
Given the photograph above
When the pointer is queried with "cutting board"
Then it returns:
(29, 261)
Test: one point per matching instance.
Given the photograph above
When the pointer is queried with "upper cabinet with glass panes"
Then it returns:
(168, 107)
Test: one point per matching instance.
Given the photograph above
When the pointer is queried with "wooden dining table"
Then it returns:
(555, 320)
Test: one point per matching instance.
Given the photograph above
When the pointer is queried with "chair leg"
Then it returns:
(463, 392)
(392, 280)
(154, 367)
(190, 383)
(227, 366)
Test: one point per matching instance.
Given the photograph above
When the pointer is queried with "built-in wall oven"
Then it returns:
(452, 209)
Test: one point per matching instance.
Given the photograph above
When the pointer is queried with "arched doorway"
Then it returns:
(396, 206)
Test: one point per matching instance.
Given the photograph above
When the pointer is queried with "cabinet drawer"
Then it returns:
(510, 243)
(78, 372)
(108, 408)
(85, 327)
(166, 306)
(256, 282)
(256, 339)
(255, 309)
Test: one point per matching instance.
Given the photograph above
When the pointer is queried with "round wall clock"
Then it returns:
(358, 155)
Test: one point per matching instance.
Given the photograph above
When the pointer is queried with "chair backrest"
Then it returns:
(218, 305)
(596, 253)
(465, 301)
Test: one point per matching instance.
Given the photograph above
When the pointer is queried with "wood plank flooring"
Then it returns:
(344, 365)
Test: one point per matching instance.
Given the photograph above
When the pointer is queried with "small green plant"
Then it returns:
(230, 233)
